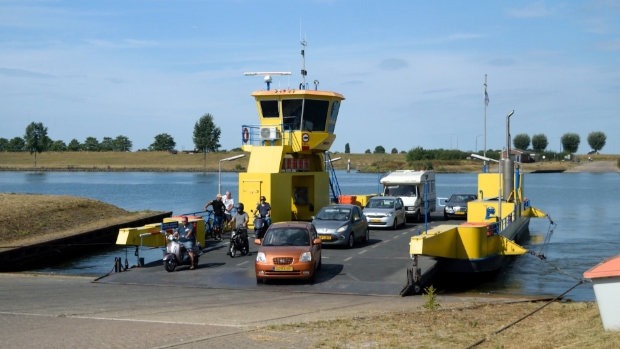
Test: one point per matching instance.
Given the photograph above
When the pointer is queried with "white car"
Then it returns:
(385, 212)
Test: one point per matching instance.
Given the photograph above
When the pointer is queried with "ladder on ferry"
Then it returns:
(334, 188)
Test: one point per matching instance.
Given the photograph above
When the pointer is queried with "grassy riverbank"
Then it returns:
(181, 162)
(28, 218)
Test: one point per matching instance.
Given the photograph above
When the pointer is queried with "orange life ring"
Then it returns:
(246, 135)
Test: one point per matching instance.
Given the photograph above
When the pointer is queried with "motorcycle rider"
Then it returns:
(187, 237)
(264, 210)
(241, 220)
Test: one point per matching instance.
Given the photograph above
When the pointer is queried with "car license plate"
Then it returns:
(460, 212)
(325, 237)
(282, 268)
(375, 221)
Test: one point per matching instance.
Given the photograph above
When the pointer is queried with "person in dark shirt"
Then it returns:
(219, 210)
(264, 210)
(187, 237)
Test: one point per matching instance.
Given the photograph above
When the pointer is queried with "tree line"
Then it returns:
(35, 140)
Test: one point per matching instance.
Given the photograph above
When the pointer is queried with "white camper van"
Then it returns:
(409, 186)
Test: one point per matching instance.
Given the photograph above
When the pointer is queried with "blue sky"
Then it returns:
(412, 72)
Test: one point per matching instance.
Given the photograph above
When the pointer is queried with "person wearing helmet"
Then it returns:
(241, 220)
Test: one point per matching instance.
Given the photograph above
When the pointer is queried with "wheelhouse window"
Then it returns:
(270, 108)
(291, 113)
(304, 114)
(315, 115)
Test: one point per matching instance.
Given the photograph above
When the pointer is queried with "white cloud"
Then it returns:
(612, 45)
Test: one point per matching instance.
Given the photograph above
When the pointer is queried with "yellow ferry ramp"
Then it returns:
(462, 242)
(131, 236)
(533, 212)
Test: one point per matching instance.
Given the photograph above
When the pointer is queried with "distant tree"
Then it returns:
(347, 150)
(521, 141)
(122, 143)
(236, 150)
(367, 151)
(394, 151)
(91, 144)
(4, 144)
(74, 145)
(58, 146)
(36, 139)
(17, 144)
(403, 152)
(163, 142)
(539, 142)
(570, 142)
(206, 135)
(47, 143)
(597, 140)
(106, 144)
(379, 150)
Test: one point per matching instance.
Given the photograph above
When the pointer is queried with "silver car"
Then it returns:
(385, 211)
(341, 225)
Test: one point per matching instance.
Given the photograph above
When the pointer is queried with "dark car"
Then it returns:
(341, 225)
(456, 205)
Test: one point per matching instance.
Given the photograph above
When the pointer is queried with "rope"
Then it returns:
(526, 316)
(550, 230)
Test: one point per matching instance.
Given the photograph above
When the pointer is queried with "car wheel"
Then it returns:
(395, 223)
(351, 241)
(445, 216)
(367, 235)
(318, 267)
(259, 280)
(195, 261)
(417, 216)
(170, 264)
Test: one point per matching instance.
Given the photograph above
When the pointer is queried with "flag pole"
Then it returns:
(486, 101)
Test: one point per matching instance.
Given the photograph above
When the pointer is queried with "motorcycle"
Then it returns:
(260, 226)
(177, 255)
(239, 242)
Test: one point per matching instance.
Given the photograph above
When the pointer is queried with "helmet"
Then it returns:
(240, 207)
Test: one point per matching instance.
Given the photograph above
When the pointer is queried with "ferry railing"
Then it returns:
(251, 135)
(441, 202)
(333, 180)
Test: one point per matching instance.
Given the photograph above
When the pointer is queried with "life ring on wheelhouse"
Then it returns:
(246, 135)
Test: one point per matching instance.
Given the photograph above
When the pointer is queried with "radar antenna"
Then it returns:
(303, 64)
(267, 76)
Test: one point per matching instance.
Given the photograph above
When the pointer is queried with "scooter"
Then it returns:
(260, 226)
(239, 242)
(177, 255)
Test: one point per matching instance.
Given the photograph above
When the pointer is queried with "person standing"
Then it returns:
(229, 202)
(218, 215)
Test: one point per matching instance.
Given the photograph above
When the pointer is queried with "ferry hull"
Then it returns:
(490, 263)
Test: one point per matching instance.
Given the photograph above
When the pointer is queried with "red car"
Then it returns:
(289, 250)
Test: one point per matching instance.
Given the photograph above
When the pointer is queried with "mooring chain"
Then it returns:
(542, 257)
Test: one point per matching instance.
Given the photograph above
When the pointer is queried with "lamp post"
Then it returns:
(477, 141)
(219, 182)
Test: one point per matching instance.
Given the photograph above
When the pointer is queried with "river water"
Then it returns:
(583, 205)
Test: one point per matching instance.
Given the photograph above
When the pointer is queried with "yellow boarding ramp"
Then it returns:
(131, 236)
(463, 242)
(533, 212)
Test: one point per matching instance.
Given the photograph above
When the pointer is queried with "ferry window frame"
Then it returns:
(335, 109)
(270, 112)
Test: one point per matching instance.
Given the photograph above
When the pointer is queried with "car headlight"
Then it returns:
(389, 214)
(260, 257)
(341, 229)
(305, 257)
(449, 209)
